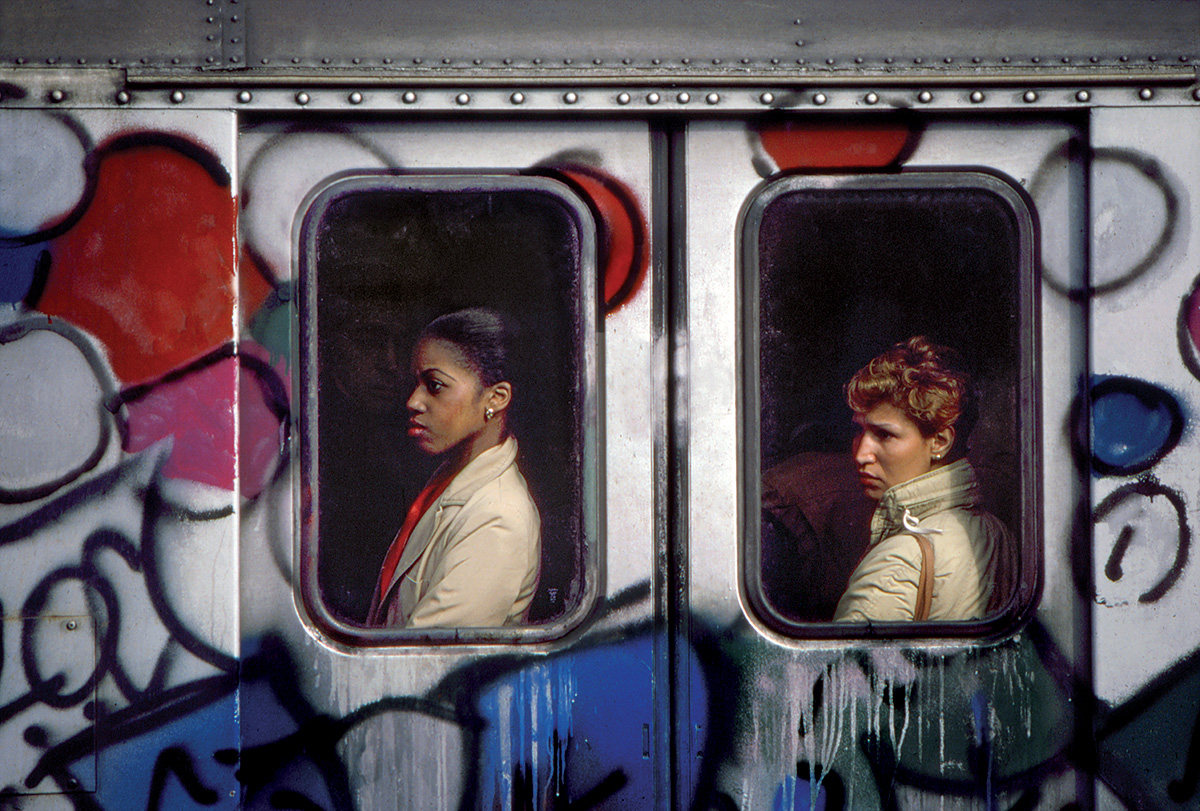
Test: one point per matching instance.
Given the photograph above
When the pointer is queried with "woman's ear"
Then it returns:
(941, 442)
(500, 395)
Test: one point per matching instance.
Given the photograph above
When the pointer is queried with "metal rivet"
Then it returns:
(713, 98)
(800, 42)
(653, 98)
(1185, 59)
(245, 97)
(51, 60)
(177, 96)
(627, 61)
(918, 61)
(1153, 58)
(888, 60)
(416, 60)
(1124, 58)
(211, 38)
(235, 40)
(1083, 95)
(570, 97)
(685, 61)
(477, 61)
(211, 59)
(356, 97)
(1145, 94)
(977, 97)
(745, 61)
(976, 60)
(83, 61)
(820, 98)
(295, 60)
(656, 61)
(409, 97)
(1196, 94)
(597, 61)
(266, 60)
(949, 60)
(20, 60)
(72, 625)
(796, 22)
(446, 60)
(830, 61)
(767, 98)
(1036, 60)
(233, 19)
(871, 98)
(123, 97)
(924, 97)
(235, 59)
(462, 98)
(210, 20)
(1066, 60)
(1030, 96)
(356, 60)
(801, 61)
(1006, 59)
(1095, 59)
(775, 60)
(623, 98)
(325, 60)
(684, 98)
(716, 61)
(302, 98)
(858, 60)
(517, 98)
(568, 61)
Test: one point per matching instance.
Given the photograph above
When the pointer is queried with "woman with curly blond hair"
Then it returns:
(934, 554)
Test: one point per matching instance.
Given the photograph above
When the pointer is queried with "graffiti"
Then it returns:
(152, 654)
(1127, 244)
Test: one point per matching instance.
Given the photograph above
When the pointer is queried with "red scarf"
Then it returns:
(424, 500)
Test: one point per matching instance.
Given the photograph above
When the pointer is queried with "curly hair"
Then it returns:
(929, 383)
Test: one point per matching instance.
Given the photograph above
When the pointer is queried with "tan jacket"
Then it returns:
(472, 560)
(974, 569)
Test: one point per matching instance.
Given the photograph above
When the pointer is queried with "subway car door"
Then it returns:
(812, 245)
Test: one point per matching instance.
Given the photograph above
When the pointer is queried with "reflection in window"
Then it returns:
(839, 270)
(383, 257)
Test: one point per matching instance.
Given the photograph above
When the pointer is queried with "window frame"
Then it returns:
(311, 604)
(1027, 526)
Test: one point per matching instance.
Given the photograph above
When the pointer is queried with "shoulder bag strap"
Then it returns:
(925, 584)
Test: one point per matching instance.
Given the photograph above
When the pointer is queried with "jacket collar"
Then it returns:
(944, 488)
(484, 468)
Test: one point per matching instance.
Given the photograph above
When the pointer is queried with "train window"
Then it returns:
(449, 429)
(927, 279)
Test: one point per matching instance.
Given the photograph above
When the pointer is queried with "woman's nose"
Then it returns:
(864, 454)
(415, 404)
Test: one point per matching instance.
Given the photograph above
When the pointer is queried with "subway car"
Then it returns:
(230, 228)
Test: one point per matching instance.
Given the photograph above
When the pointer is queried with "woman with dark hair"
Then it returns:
(933, 554)
(469, 550)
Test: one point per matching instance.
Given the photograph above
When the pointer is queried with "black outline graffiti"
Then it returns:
(175, 760)
(1073, 151)
(1147, 487)
(1189, 352)
(109, 418)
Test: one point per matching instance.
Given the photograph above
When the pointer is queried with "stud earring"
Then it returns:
(487, 415)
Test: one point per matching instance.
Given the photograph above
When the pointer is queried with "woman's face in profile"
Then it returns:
(447, 404)
(889, 449)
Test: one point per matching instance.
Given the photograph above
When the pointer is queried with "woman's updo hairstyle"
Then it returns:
(481, 338)
(929, 383)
